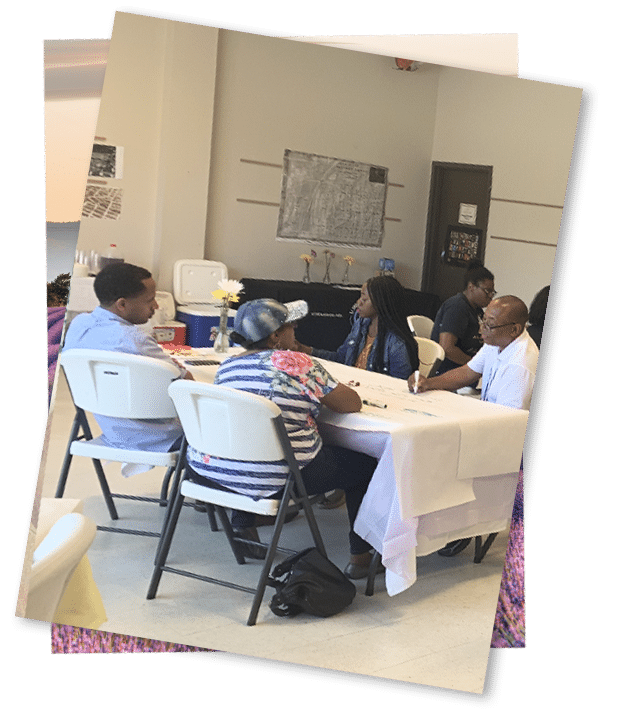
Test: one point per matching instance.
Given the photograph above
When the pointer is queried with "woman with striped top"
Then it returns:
(299, 386)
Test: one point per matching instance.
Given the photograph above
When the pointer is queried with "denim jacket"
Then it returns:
(396, 359)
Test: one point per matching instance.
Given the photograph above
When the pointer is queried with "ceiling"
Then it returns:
(76, 68)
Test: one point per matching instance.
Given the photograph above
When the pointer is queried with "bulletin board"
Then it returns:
(329, 201)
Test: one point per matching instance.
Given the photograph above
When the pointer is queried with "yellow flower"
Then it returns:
(307, 258)
(349, 259)
(223, 296)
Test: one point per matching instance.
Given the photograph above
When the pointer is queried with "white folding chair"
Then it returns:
(420, 325)
(117, 385)
(430, 355)
(54, 562)
(232, 424)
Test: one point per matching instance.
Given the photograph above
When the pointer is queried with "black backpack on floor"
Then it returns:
(309, 582)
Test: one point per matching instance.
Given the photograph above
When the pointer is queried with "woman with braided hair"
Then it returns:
(380, 339)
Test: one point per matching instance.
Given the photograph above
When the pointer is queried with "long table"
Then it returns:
(447, 464)
(447, 467)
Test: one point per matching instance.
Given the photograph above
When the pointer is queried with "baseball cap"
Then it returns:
(256, 319)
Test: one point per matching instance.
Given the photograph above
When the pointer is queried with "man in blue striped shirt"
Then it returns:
(127, 296)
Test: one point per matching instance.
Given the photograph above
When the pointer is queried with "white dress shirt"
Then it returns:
(508, 376)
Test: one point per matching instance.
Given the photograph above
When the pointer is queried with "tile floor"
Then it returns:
(436, 633)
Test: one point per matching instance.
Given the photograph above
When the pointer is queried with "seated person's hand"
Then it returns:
(188, 374)
(422, 385)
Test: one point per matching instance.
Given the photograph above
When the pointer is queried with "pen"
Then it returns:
(380, 405)
(415, 389)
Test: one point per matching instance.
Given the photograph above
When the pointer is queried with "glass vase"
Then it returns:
(326, 278)
(306, 276)
(346, 278)
(222, 340)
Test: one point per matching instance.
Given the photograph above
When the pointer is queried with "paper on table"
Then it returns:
(492, 436)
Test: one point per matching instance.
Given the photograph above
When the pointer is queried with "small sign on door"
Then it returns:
(467, 214)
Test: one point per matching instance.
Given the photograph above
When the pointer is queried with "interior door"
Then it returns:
(457, 218)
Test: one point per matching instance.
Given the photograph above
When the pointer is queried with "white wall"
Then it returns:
(185, 144)
(188, 102)
(525, 130)
(274, 94)
(129, 116)
(157, 103)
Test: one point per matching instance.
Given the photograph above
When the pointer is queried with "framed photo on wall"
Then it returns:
(462, 245)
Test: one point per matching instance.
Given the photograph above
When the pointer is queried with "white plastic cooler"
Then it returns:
(193, 284)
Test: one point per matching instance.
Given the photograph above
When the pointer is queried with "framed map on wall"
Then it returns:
(329, 201)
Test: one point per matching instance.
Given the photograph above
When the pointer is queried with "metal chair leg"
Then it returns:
(98, 467)
(270, 554)
(229, 532)
(105, 489)
(480, 548)
(165, 486)
(164, 544)
(212, 518)
(175, 490)
(299, 488)
(68, 457)
(373, 569)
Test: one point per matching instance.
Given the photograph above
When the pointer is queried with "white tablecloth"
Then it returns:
(447, 465)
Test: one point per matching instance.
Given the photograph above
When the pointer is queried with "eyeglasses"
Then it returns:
(495, 327)
(487, 291)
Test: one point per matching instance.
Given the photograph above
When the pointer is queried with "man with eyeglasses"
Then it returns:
(506, 362)
(456, 326)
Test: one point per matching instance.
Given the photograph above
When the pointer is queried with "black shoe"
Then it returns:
(270, 520)
(454, 547)
(358, 571)
(255, 552)
(333, 499)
